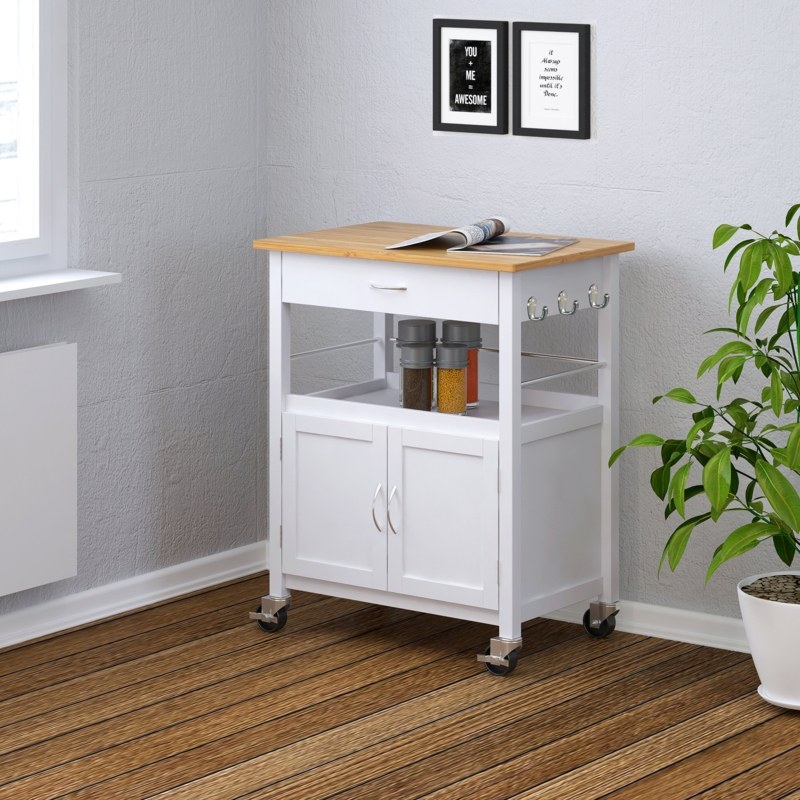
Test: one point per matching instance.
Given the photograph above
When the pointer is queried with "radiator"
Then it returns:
(38, 466)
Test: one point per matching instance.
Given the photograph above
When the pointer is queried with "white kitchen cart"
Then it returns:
(499, 516)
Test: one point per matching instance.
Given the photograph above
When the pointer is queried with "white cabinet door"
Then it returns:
(444, 517)
(331, 472)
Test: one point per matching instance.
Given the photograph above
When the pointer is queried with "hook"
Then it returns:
(593, 296)
(532, 310)
(562, 305)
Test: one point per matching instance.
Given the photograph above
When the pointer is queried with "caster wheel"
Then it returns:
(499, 669)
(606, 626)
(271, 627)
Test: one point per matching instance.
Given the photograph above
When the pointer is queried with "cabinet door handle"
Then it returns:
(389, 288)
(374, 498)
(389, 510)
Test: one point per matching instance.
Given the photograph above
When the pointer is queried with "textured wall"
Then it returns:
(164, 188)
(693, 119)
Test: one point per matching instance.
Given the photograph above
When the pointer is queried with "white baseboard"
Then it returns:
(142, 590)
(694, 627)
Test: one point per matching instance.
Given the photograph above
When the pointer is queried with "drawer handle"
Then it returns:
(389, 288)
(375, 497)
(389, 510)
(593, 292)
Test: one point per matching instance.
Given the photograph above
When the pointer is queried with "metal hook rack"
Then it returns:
(562, 304)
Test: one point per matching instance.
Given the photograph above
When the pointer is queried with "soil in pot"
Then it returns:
(779, 588)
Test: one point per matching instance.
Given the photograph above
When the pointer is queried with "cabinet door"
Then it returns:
(444, 515)
(331, 473)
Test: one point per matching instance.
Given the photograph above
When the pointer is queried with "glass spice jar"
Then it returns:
(469, 334)
(417, 331)
(451, 377)
(416, 376)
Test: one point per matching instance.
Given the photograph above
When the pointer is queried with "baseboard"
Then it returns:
(694, 627)
(132, 593)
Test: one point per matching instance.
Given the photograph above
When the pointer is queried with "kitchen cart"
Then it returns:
(499, 516)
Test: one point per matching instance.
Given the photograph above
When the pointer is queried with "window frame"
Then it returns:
(48, 251)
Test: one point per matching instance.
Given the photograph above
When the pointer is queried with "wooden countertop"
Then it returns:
(369, 240)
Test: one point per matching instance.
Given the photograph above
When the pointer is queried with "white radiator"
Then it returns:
(38, 466)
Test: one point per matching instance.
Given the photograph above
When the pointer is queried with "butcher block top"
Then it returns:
(369, 240)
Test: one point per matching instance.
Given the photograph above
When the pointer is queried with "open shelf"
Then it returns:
(542, 413)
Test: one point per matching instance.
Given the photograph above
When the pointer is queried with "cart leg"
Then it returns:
(607, 606)
(271, 614)
(501, 656)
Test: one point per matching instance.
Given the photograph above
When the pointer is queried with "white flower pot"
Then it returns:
(773, 633)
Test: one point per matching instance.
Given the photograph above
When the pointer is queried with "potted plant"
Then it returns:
(738, 456)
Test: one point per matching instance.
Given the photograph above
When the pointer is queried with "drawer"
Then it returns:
(574, 278)
(392, 288)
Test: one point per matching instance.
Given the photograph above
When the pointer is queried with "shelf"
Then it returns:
(53, 281)
(381, 399)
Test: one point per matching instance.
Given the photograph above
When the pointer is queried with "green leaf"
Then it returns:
(762, 290)
(780, 494)
(717, 478)
(659, 481)
(678, 487)
(735, 251)
(791, 212)
(784, 547)
(748, 493)
(783, 268)
(722, 234)
(681, 396)
(644, 440)
(705, 413)
(729, 348)
(764, 316)
(740, 541)
(793, 448)
(676, 545)
(745, 313)
(700, 425)
(776, 393)
(688, 494)
(750, 265)
(672, 450)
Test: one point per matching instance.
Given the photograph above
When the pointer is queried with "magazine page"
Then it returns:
(522, 245)
(472, 234)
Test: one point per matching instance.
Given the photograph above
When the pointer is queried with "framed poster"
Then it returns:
(470, 76)
(551, 80)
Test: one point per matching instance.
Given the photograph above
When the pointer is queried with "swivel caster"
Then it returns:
(501, 669)
(271, 627)
(606, 627)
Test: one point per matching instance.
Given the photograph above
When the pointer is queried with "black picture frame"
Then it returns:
(520, 128)
(457, 120)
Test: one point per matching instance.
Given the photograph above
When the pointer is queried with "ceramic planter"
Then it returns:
(773, 633)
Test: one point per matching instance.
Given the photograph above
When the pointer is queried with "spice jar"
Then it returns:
(451, 377)
(417, 331)
(469, 334)
(416, 376)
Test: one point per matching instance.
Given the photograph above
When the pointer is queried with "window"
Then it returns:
(33, 173)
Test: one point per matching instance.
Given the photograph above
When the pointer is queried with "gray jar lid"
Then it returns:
(451, 355)
(416, 330)
(417, 355)
(468, 333)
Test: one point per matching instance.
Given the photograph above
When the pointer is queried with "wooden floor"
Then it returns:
(191, 700)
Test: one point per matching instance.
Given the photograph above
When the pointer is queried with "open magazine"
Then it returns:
(487, 236)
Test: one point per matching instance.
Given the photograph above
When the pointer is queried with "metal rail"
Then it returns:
(590, 368)
(306, 353)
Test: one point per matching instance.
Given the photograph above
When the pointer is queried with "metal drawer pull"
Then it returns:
(593, 290)
(532, 310)
(389, 510)
(389, 288)
(375, 497)
(562, 305)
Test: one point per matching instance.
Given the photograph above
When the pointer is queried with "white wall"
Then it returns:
(165, 188)
(694, 124)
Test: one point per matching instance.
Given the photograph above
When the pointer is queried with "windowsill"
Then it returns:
(59, 280)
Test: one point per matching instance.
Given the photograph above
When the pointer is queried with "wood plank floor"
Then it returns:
(190, 700)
